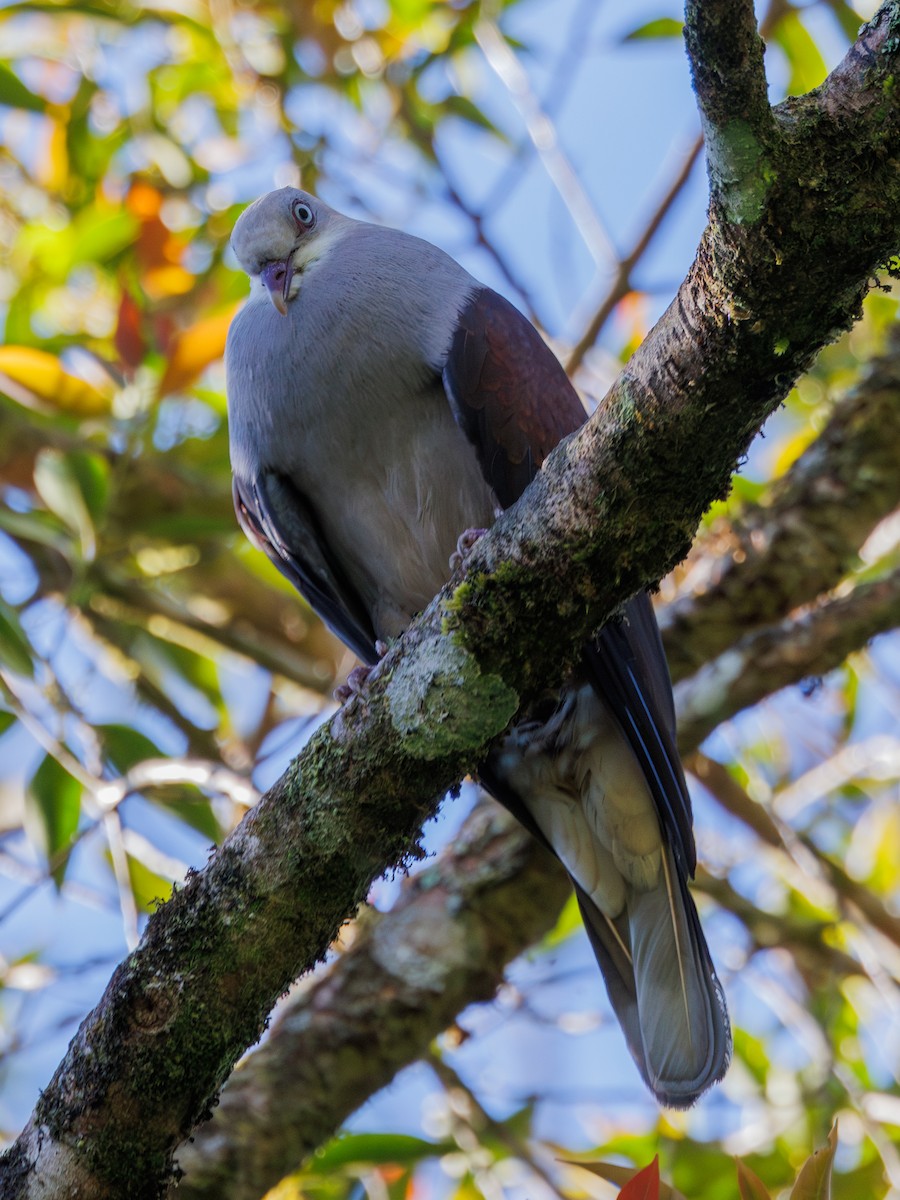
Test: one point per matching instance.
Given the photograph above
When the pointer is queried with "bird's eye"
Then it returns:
(303, 214)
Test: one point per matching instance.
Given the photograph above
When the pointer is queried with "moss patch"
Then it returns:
(740, 169)
(423, 713)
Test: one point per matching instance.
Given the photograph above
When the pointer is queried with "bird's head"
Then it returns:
(277, 236)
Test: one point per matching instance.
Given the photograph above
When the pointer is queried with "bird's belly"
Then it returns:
(580, 781)
(404, 507)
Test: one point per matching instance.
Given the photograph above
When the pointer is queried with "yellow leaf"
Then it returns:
(814, 1180)
(167, 280)
(195, 349)
(43, 376)
(53, 166)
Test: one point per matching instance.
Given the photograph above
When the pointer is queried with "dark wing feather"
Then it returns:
(278, 519)
(508, 392)
(630, 674)
(515, 403)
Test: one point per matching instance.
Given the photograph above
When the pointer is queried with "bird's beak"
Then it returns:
(277, 277)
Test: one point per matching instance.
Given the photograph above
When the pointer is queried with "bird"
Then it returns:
(383, 407)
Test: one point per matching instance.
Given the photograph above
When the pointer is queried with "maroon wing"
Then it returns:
(515, 403)
(508, 392)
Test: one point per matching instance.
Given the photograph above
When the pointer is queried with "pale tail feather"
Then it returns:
(664, 992)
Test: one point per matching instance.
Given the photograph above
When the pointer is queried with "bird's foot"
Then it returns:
(464, 544)
(353, 685)
(358, 676)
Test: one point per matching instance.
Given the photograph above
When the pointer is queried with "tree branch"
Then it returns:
(621, 284)
(726, 55)
(444, 945)
(298, 1089)
(613, 508)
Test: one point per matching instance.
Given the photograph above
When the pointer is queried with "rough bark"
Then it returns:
(406, 976)
(804, 215)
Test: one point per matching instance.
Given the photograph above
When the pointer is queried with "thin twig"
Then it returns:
(735, 800)
(542, 131)
(621, 284)
(502, 1133)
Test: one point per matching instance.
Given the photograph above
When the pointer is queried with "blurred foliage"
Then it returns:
(149, 657)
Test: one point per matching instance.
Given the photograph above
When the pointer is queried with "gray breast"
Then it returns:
(350, 405)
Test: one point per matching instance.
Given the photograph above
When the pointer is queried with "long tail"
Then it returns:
(662, 985)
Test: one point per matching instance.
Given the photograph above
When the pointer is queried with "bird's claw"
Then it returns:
(353, 685)
(464, 544)
(357, 678)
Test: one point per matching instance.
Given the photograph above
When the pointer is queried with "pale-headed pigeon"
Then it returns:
(381, 402)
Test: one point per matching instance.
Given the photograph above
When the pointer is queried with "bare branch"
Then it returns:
(772, 657)
(726, 54)
(621, 285)
(543, 133)
(806, 536)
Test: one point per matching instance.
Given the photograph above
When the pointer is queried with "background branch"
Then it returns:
(805, 536)
(770, 658)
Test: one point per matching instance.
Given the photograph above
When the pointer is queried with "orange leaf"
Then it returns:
(194, 349)
(644, 1185)
(129, 340)
(53, 166)
(624, 1177)
(43, 376)
(750, 1185)
(143, 200)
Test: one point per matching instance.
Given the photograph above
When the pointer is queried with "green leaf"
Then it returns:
(7, 720)
(15, 649)
(196, 667)
(92, 473)
(660, 27)
(814, 1180)
(40, 527)
(752, 1052)
(462, 107)
(867, 1180)
(148, 888)
(848, 18)
(60, 480)
(52, 809)
(190, 805)
(805, 60)
(125, 746)
(410, 12)
(377, 1148)
(569, 923)
(750, 1186)
(14, 93)
(101, 235)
